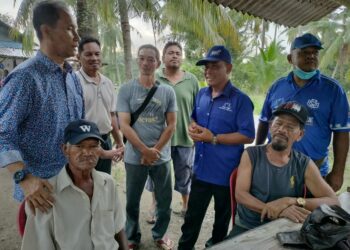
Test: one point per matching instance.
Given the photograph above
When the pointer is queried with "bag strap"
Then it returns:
(136, 114)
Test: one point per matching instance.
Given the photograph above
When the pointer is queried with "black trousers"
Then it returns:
(200, 196)
(105, 165)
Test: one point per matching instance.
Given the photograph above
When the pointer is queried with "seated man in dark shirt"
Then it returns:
(272, 177)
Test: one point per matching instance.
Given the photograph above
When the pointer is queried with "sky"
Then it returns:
(145, 29)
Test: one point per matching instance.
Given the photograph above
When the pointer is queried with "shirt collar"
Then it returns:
(316, 77)
(161, 74)
(226, 92)
(88, 78)
(51, 65)
(64, 180)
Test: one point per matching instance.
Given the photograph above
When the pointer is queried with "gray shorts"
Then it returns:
(182, 158)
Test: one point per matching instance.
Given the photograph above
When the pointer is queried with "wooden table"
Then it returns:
(263, 237)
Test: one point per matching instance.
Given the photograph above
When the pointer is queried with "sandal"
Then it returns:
(133, 246)
(165, 243)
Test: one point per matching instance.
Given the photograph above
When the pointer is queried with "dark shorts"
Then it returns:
(182, 158)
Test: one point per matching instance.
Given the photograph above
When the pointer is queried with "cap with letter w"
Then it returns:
(79, 130)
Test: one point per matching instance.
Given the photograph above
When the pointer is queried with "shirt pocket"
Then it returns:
(104, 224)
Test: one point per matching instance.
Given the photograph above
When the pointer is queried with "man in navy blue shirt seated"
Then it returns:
(271, 178)
(327, 104)
(222, 124)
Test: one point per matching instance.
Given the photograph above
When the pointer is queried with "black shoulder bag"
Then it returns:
(134, 116)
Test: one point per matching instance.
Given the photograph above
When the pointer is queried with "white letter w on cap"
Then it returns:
(85, 128)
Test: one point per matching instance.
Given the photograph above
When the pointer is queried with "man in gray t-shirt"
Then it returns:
(147, 151)
(271, 178)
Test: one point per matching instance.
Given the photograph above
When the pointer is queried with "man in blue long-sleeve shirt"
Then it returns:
(39, 98)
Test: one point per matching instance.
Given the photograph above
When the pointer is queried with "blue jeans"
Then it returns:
(136, 176)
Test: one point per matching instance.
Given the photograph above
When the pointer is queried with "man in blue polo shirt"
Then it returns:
(327, 104)
(222, 124)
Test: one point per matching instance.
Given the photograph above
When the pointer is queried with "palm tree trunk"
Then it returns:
(86, 19)
(125, 26)
(263, 34)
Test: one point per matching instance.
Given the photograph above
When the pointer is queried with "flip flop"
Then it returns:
(165, 243)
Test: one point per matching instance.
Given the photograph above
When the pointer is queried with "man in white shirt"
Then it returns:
(87, 213)
(99, 99)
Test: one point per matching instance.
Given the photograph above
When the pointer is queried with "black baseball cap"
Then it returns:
(306, 40)
(293, 108)
(79, 130)
(215, 54)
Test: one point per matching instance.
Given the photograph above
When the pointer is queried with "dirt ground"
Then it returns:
(10, 239)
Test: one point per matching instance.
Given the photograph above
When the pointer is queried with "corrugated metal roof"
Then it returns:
(10, 44)
(13, 53)
(286, 12)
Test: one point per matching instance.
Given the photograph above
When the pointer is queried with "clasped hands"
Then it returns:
(282, 208)
(150, 156)
(199, 133)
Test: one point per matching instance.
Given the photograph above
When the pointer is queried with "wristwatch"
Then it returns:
(214, 141)
(19, 175)
(301, 202)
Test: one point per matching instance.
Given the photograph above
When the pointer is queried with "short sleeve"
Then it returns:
(340, 116)
(245, 118)
(123, 99)
(172, 105)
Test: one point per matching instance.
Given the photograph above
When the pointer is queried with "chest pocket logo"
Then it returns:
(313, 104)
(226, 107)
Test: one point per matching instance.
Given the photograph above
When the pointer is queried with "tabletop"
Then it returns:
(262, 237)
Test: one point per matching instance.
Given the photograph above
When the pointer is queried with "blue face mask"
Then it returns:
(304, 75)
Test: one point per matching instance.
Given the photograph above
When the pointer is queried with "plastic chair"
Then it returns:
(21, 218)
(233, 178)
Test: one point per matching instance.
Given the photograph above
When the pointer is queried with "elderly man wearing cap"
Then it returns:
(87, 213)
(327, 104)
(222, 124)
(272, 177)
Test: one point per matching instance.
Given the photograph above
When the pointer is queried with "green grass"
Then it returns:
(258, 100)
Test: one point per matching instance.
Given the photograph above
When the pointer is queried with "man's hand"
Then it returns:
(295, 213)
(273, 209)
(120, 153)
(199, 133)
(38, 193)
(335, 180)
(113, 154)
(150, 156)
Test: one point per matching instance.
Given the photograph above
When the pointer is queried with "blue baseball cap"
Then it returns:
(306, 40)
(79, 130)
(215, 54)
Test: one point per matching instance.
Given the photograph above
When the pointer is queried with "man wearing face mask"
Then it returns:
(327, 105)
